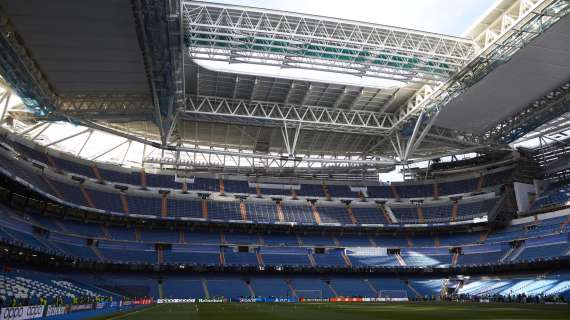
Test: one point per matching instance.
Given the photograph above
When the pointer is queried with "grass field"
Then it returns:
(338, 311)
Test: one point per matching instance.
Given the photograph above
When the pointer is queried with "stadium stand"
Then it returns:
(142, 170)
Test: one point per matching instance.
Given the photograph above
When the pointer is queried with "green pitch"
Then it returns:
(338, 311)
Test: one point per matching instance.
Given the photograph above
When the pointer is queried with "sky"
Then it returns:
(451, 17)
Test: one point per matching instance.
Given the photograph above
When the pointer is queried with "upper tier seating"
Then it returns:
(137, 245)
(458, 187)
(415, 191)
(167, 181)
(557, 196)
(368, 215)
(177, 205)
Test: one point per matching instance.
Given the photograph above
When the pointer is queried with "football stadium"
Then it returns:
(181, 159)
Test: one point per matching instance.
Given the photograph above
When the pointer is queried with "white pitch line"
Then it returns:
(131, 313)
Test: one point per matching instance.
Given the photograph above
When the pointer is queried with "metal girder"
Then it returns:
(114, 108)
(255, 158)
(560, 124)
(531, 21)
(275, 114)
(251, 35)
(158, 29)
(455, 137)
(22, 73)
(6, 100)
(552, 105)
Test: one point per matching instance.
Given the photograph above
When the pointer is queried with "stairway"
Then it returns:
(395, 193)
(164, 205)
(312, 260)
(506, 256)
(98, 253)
(204, 208)
(48, 244)
(371, 286)
(205, 287)
(159, 255)
(516, 253)
(259, 259)
(454, 259)
(243, 210)
(480, 184)
(280, 214)
(347, 260)
(250, 288)
(290, 286)
(401, 260)
(97, 173)
(416, 292)
(316, 213)
(222, 187)
(351, 215)
(454, 210)
(420, 213)
(332, 289)
(143, 178)
(258, 190)
(60, 225)
(124, 202)
(483, 236)
(388, 214)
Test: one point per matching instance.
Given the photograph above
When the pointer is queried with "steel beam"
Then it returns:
(275, 114)
(158, 26)
(532, 20)
(252, 35)
(552, 105)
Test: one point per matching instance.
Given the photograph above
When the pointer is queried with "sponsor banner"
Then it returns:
(384, 299)
(313, 300)
(360, 299)
(22, 313)
(80, 307)
(264, 300)
(142, 301)
(160, 301)
(126, 303)
(102, 305)
(55, 311)
(212, 300)
(342, 299)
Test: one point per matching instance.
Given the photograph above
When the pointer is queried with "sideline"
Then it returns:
(122, 314)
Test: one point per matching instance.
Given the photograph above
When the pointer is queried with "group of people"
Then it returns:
(55, 301)
(510, 298)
